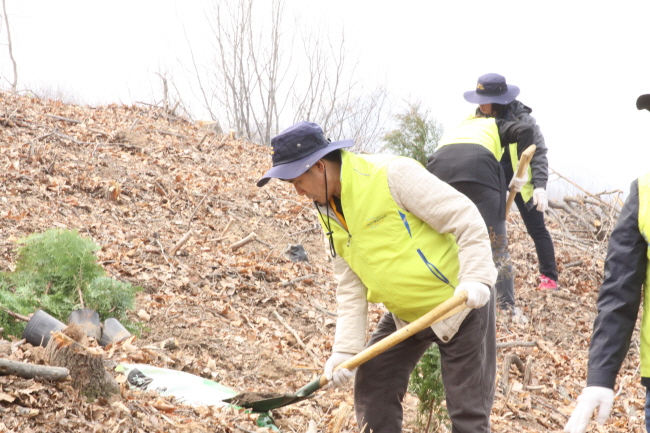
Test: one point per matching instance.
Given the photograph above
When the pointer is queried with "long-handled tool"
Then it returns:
(267, 402)
(522, 168)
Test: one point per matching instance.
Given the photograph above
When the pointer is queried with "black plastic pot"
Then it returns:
(38, 329)
(113, 332)
(88, 319)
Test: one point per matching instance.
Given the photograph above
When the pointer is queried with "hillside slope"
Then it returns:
(168, 201)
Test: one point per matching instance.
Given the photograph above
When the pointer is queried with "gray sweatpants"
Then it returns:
(468, 374)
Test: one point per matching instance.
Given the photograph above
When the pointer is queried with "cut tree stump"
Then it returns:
(87, 370)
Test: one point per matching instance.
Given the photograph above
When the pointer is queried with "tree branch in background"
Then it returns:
(257, 74)
(14, 84)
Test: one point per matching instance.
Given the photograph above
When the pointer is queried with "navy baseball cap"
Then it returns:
(492, 89)
(642, 102)
(297, 148)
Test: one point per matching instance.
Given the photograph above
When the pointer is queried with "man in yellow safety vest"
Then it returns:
(399, 236)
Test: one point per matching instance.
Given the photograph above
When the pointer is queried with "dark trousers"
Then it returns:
(534, 222)
(536, 228)
(468, 373)
(491, 206)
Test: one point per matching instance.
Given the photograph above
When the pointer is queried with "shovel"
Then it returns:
(259, 402)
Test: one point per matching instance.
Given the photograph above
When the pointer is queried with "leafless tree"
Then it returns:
(14, 84)
(362, 117)
(258, 75)
(334, 97)
(243, 86)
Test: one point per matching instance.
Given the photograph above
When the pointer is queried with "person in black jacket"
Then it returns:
(497, 99)
(627, 281)
(467, 158)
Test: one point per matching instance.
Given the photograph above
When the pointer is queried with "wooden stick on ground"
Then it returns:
(15, 315)
(180, 243)
(295, 334)
(295, 280)
(30, 371)
(515, 343)
(248, 239)
(189, 222)
(226, 229)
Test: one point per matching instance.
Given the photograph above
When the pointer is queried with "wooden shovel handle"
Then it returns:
(451, 306)
(522, 167)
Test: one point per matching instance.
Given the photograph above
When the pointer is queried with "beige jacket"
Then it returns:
(419, 192)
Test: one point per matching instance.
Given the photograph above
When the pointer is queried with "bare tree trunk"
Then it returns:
(14, 85)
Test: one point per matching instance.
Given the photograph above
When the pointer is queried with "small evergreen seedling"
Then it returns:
(56, 271)
(426, 384)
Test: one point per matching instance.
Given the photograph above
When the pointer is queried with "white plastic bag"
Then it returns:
(185, 387)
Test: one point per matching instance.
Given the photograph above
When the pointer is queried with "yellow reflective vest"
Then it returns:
(476, 130)
(644, 228)
(486, 135)
(403, 262)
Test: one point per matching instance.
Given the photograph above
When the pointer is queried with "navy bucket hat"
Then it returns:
(297, 148)
(643, 102)
(492, 89)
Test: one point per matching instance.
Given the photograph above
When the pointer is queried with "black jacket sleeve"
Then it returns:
(620, 295)
(515, 132)
(539, 163)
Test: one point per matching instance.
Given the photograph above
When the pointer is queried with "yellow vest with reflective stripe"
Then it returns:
(403, 262)
(644, 228)
(477, 130)
(527, 190)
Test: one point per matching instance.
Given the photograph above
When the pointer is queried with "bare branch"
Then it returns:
(14, 84)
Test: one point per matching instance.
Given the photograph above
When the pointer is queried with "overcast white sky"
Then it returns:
(580, 64)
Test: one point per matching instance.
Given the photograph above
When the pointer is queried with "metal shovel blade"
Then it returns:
(266, 404)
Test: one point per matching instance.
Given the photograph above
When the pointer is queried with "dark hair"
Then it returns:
(500, 111)
(333, 156)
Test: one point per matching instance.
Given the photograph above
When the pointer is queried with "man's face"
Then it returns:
(311, 184)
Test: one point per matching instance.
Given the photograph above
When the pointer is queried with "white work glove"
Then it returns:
(592, 397)
(342, 375)
(478, 294)
(518, 182)
(540, 198)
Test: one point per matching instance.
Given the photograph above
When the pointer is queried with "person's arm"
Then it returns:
(352, 310)
(539, 163)
(619, 297)
(419, 192)
(515, 132)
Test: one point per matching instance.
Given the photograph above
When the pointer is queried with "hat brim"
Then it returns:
(294, 169)
(643, 102)
(504, 99)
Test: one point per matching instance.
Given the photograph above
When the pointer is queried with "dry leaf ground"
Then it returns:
(137, 179)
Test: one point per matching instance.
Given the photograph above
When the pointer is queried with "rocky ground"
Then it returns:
(169, 202)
